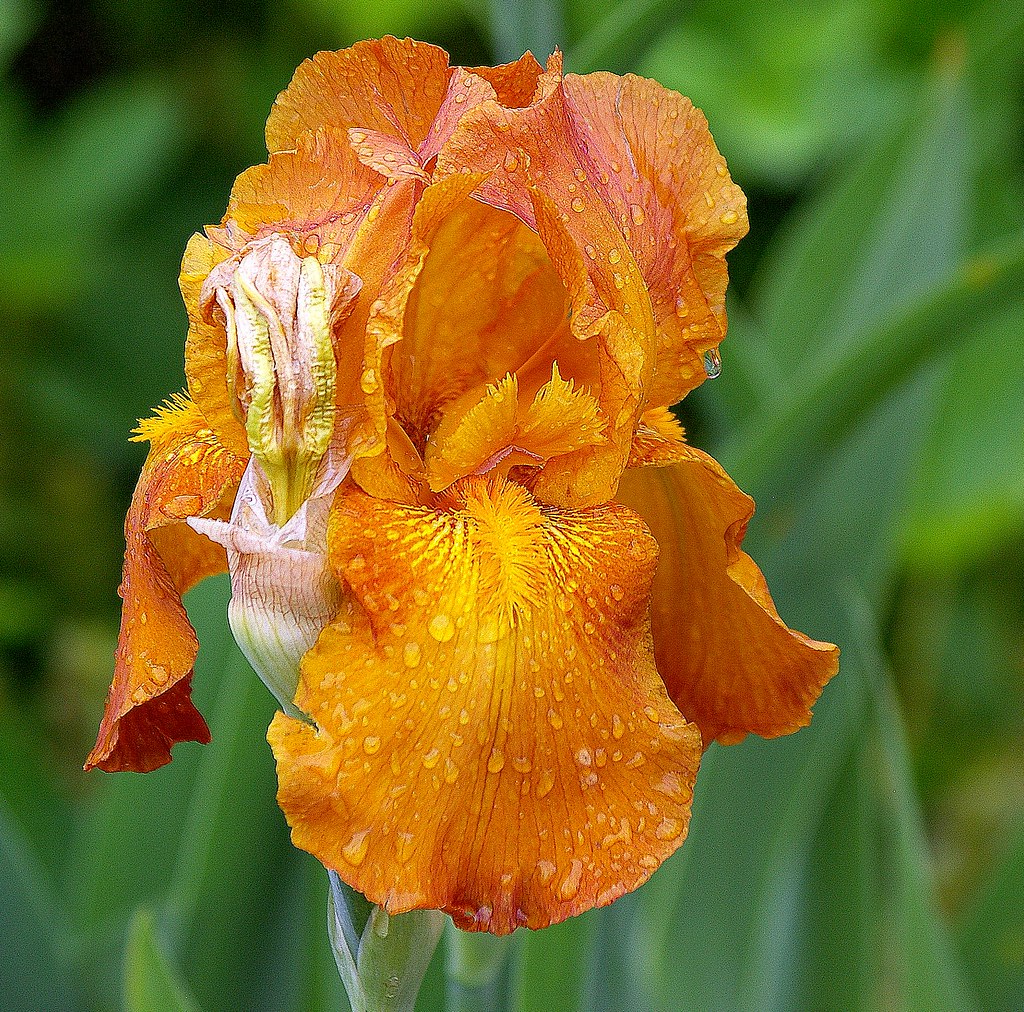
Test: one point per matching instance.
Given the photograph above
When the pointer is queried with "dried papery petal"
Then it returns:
(283, 592)
(280, 315)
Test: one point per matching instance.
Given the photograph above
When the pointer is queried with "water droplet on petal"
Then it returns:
(636, 212)
(406, 846)
(371, 744)
(442, 628)
(355, 850)
(570, 885)
(544, 785)
(545, 871)
(511, 163)
(614, 256)
(578, 205)
(495, 762)
(368, 381)
(669, 829)
(712, 363)
(412, 654)
(555, 720)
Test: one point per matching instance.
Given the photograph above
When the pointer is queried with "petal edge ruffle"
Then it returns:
(730, 663)
(148, 708)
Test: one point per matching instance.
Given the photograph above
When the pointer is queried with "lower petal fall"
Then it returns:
(148, 709)
(490, 736)
(730, 663)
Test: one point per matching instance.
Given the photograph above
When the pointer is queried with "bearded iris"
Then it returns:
(501, 600)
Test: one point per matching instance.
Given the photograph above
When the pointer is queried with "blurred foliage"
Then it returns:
(871, 401)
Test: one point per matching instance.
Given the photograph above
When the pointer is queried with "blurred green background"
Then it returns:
(871, 400)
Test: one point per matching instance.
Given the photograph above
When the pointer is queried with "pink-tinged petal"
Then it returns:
(395, 86)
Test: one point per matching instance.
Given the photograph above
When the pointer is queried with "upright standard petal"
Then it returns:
(630, 176)
(394, 86)
(729, 662)
(488, 734)
(187, 473)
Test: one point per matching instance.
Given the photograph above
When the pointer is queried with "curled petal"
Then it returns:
(514, 84)
(490, 734)
(500, 431)
(730, 663)
(187, 473)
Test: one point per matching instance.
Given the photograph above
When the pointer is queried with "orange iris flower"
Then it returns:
(518, 594)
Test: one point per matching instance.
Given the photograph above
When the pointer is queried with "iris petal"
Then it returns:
(187, 473)
(490, 734)
(729, 661)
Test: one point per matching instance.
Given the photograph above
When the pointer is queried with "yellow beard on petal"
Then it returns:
(490, 735)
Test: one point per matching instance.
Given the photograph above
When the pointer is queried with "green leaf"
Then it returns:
(534, 25)
(35, 971)
(969, 493)
(612, 38)
(991, 935)
(151, 984)
(552, 966)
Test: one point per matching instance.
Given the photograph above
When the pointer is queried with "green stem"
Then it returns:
(479, 971)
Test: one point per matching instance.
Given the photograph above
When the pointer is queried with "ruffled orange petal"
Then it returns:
(395, 86)
(640, 188)
(149, 709)
(730, 663)
(514, 83)
(490, 734)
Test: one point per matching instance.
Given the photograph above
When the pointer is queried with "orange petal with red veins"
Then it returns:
(392, 85)
(730, 663)
(491, 737)
(187, 473)
(667, 186)
(317, 194)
